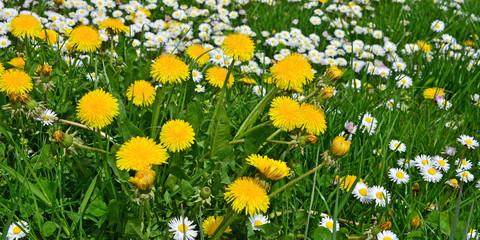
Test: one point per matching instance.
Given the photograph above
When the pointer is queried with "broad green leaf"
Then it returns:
(322, 233)
(221, 134)
(48, 228)
(97, 208)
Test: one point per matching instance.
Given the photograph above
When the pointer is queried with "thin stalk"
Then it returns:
(92, 149)
(284, 187)
(156, 112)
(313, 192)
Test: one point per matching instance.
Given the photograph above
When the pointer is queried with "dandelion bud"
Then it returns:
(453, 183)
(46, 70)
(340, 146)
(59, 2)
(302, 141)
(65, 140)
(205, 193)
(334, 73)
(311, 139)
(31, 104)
(328, 92)
(386, 226)
(143, 179)
(416, 222)
(416, 188)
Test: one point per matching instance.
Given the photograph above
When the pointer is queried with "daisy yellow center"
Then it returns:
(437, 26)
(465, 174)
(16, 230)
(379, 195)
(363, 192)
(183, 228)
(399, 66)
(258, 223)
(329, 225)
(404, 81)
(400, 175)
(441, 163)
(464, 162)
(396, 144)
(387, 238)
(468, 141)
(194, 74)
(432, 171)
(259, 91)
(369, 119)
(424, 161)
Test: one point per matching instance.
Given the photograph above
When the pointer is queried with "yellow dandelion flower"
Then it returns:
(195, 51)
(177, 135)
(2, 68)
(248, 80)
(347, 182)
(25, 25)
(292, 72)
(49, 36)
(273, 169)
(340, 146)
(211, 224)
(268, 80)
(247, 193)
(216, 76)
(85, 38)
(284, 113)
(142, 93)
(425, 47)
(432, 93)
(140, 153)
(143, 179)
(334, 73)
(312, 119)
(17, 62)
(15, 81)
(168, 68)
(97, 108)
(113, 26)
(238, 46)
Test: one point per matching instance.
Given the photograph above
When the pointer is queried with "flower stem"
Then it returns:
(91, 149)
(156, 113)
(284, 187)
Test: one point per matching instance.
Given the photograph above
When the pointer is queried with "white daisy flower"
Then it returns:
(398, 176)
(404, 81)
(387, 235)
(397, 146)
(259, 90)
(199, 88)
(430, 174)
(468, 141)
(182, 228)
(440, 163)
(465, 176)
(47, 117)
(327, 222)
(380, 195)
(463, 164)
(15, 230)
(437, 26)
(404, 163)
(197, 76)
(422, 160)
(361, 192)
(258, 220)
(369, 123)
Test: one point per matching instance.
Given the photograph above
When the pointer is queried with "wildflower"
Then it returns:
(113, 26)
(284, 113)
(475, 99)
(465, 176)
(199, 88)
(47, 117)
(25, 25)
(387, 235)
(238, 46)
(432, 93)
(292, 72)
(380, 195)
(216, 77)
(177, 135)
(468, 141)
(430, 174)
(350, 127)
(334, 73)
(453, 183)
(15, 81)
(369, 123)
(397, 146)
(273, 169)
(450, 151)
(405, 163)
(340, 146)
(211, 224)
(472, 234)
(97, 108)
(15, 230)
(312, 119)
(4, 42)
(247, 193)
(49, 36)
(347, 182)
(140, 153)
(142, 93)
(169, 68)
(398, 176)
(258, 220)
(327, 222)
(143, 179)
(259, 90)
(248, 80)
(198, 53)
(440, 163)
(422, 160)
(404, 81)
(298, 97)
(182, 228)
(17, 62)
(196, 75)
(328, 92)
(85, 38)
(437, 26)
(361, 192)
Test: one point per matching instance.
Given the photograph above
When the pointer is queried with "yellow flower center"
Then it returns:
(404, 81)
(465, 174)
(432, 171)
(464, 162)
(363, 192)
(258, 223)
(183, 228)
(16, 230)
(387, 238)
(468, 141)
(441, 162)
(424, 161)
(396, 144)
(399, 175)
(379, 195)
(330, 225)
(369, 119)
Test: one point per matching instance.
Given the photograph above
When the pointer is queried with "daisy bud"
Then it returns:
(65, 140)
(340, 146)
(143, 179)
(416, 222)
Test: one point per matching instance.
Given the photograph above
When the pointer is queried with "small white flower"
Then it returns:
(380, 195)
(258, 220)
(182, 228)
(437, 26)
(15, 230)
(327, 222)
(199, 88)
(259, 90)
(398, 176)
(398, 146)
(465, 176)
(468, 141)
(387, 235)
(361, 192)
(47, 117)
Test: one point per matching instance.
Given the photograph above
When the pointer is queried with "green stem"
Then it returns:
(253, 129)
(156, 113)
(111, 50)
(91, 149)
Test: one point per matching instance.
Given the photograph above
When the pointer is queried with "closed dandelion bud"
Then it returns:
(311, 139)
(416, 188)
(302, 141)
(65, 140)
(14, 97)
(46, 70)
(416, 222)
(59, 2)
(31, 104)
(334, 73)
(25, 98)
(386, 226)
(453, 183)
(340, 146)
(143, 179)
(205, 193)
(328, 92)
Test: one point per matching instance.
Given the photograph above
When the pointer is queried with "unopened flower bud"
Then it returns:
(386, 226)
(46, 70)
(334, 73)
(205, 193)
(453, 183)
(143, 179)
(65, 140)
(416, 188)
(302, 140)
(340, 146)
(416, 222)
(328, 92)
(311, 139)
